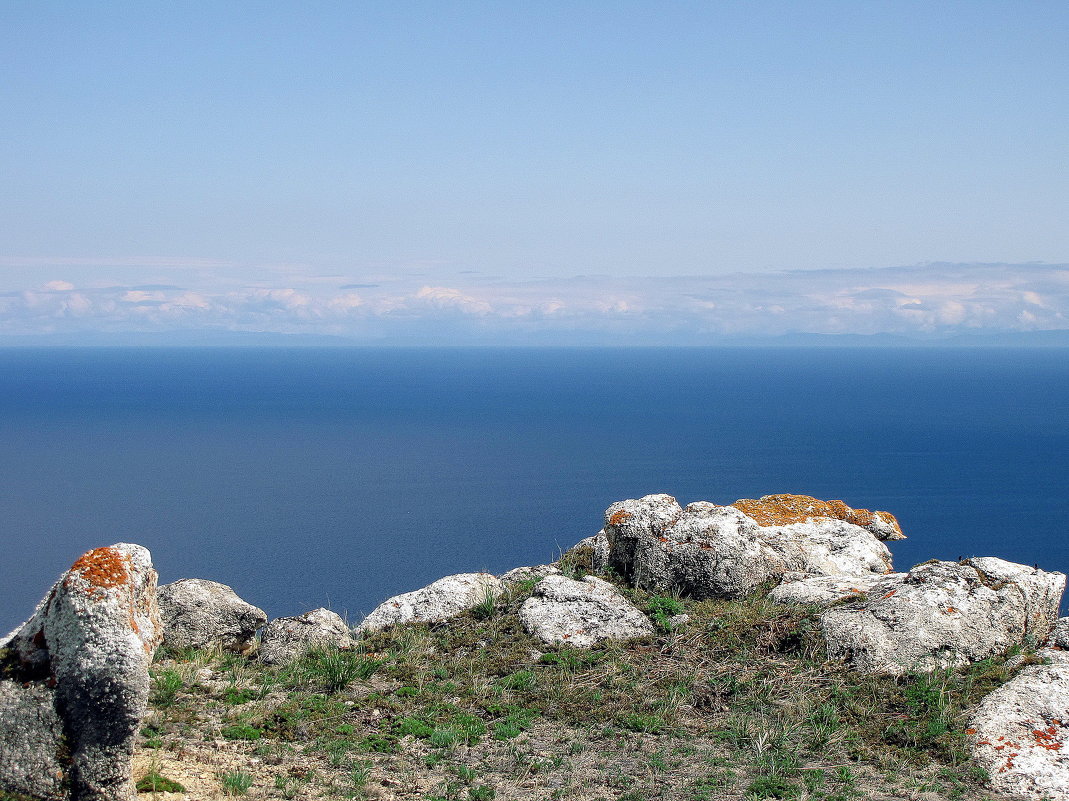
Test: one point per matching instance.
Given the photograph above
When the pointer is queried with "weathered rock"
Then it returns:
(1059, 633)
(32, 758)
(595, 548)
(443, 599)
(532, 573)
(93, 637)
(799, 588)
(197, 613)
(709, 550)
(944, 614)
(1020, 732)
(581, 613)
(287, 638)
(782, 510)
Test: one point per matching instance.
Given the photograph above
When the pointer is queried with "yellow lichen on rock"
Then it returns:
(782, 510)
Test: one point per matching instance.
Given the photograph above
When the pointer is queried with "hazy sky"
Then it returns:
(225, 149)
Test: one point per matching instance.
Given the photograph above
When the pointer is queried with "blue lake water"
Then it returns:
(338, 477)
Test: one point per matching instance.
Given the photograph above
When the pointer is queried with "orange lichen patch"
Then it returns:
(781, 510)
(619, 517)
(888, 594)
(102, 568)
(1047, 738)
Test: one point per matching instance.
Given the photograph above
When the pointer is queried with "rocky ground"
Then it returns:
(737, 701)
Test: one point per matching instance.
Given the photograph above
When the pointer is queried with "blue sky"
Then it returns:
(262, 165)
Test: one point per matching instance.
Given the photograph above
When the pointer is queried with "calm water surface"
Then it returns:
(338, 477)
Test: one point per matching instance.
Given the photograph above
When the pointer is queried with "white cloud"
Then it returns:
(936, 298)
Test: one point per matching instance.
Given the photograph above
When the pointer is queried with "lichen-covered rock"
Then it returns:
(944, 614)
(441, 600)
(708, 550)
(197, 613)
(595, 548)
(782, 510)
(93, 637)
(1059, 633)
(800, 588)
(1019, 733)
(531, 573)
(31, 742)
(287, 638)
(581, 613)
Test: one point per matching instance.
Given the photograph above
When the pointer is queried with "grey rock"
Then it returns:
(286, 638)
(31, 742)
(532, 573)
(828, 590)
(1059, 633)
(1019, 732)
(598, 546)
(93, 635)
(197, 613)
(944, 614)
(441, 600)
(708, 550)
(581, 613)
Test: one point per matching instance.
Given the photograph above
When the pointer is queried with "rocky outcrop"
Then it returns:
(80, 666)
(563, 611)
(287, 638)
(943, 614)
(800, 588)
(1059, 633)
(708, 550)
(1020, 732)
(591, 550)
(445, 598)
(197, 613)
(531, 573)
(782, 510)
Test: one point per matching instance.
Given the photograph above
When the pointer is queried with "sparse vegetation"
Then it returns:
(737, 704)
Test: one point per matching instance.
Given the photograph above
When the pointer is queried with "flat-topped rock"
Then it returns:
(944, 614)
(441, 600)
(707, 550)
(86, 652)
(198, 613)
(564, 611)
(803, 589)
(287, 638)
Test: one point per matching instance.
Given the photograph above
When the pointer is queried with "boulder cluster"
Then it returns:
(74, 678)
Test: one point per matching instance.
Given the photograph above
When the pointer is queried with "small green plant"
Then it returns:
(772, 787)
(165, 688)
(153, 782)
(661, 609)
(487, 606)
(241, 731)
(236, 782)
(334, 669)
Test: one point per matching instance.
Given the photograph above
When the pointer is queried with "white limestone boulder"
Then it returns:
(944, 614)
(1019, 733)
(707, 550)
(803, 589)
(531, 573)
(441, 600)
(1059, 634)
(563, 611)
(91, 639)
(197, 613)
(287, 638)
